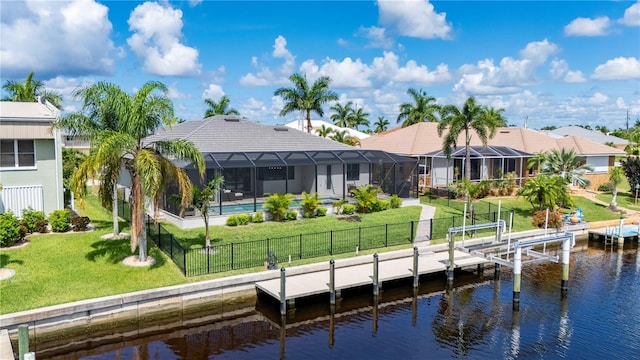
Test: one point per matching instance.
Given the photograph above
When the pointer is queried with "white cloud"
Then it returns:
(575, 77)
(377, 37)
(344, 74)
(620, 68)
(598, 99)
(632, 15)
(559, 69)
(213, 92)
(388, 68)
(156, 41)
(174, 93)
(413, 18)
(487, 78)
(265, 76)
(587, 27)
(193, 3)
(51, 38)
(342, 42)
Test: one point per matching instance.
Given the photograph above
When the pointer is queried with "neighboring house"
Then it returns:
(258, 160)
(317, 124)
(593, 135)
(30, 157)
(77, 142)
(507, 151)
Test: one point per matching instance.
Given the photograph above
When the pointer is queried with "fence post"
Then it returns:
(331, 242)
(300, 251)
(430, 228)
(232, 267)
(359, 237)
(386, 234)
(411, 234)
(184, 259)
(268, 245)
(159, 232)
(171, 247)
(208, 252)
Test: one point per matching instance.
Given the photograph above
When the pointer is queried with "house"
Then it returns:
(593, 135)
(30, 157)
(257, 160)
(318, 124)
(508, 151)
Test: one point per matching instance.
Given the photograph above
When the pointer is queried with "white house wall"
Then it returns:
(600, 163)
(440, 172)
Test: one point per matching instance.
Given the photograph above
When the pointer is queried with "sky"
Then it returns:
(554, 63)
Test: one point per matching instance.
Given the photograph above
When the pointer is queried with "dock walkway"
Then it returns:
(354, 275)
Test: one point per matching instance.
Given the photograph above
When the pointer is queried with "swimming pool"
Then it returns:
(248, 207)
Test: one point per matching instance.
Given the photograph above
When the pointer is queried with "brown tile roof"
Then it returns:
(423, 138)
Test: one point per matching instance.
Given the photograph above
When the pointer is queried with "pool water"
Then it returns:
(248, 207)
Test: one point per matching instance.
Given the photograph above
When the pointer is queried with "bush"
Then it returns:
(310, 203)
(243, 219)
(60, 220)
(30, 217)
(555, 219)
(395, 201)
(291, 215)
(380, 205)
(9, 229)
(42, 226)
(606, 187)
(80, 223)
(257, 217)
(348, 209)
(23, 231)
(232, 220)
(277, 206)
(321, 211)
(366, 197)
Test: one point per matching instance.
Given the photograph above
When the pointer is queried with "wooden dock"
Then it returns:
(352, 276)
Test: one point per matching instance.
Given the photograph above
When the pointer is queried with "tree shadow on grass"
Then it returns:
(108, 225)
(6, 259)
(117, 250)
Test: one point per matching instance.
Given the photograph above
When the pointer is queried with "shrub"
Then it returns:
(277, 206)
(338, 205)
(310, 203)
(257, 217)
(457, 190)
(29, 218)
(380, 205)
(321, 211)
(42, 226)
(606, 187)
(348, 209)
(555, 219)
(232, 220)
(9, 229)
(291, 215)
(243, 219)
(80, 223)
(23, 231)
(395, 201)
(366, 198)
(60, 220)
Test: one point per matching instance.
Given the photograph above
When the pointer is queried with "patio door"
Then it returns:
(329, 185)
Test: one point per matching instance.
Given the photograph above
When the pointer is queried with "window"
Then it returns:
(329, 177)
(276, 173)
(17, 153)
(353, 171)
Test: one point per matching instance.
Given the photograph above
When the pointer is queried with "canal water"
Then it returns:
(598, 319)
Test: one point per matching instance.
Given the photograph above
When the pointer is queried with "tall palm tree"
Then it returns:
(616, 177)
(219, 108)
(123, 147)
(568, 165)
(201, 198)
(301, 97)
(342, 113)
(29, 90)
(358, 117)
(423, 108)
(471, 117)
(324, 131)
(381, 125)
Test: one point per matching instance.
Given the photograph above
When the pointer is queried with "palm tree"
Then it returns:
(497, 115)
(29, 90)
(342, 113)
(340, 136)
(133, 117)
(471, 117)
(381, 125)
(201, 197)
(219, 108)
(568, 165)
(301, 97)
(358, 117)
(324, 131)
(536, 160)
(616, 177)
(545, 192)
(424, 108)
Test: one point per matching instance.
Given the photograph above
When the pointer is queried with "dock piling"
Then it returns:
(376, 291)
(517, 271)
(621, 233)
(565, 266)
(496, 272)
(23, 340)
(451, 266)
(332, 282)
(416, 276)
(283, 296)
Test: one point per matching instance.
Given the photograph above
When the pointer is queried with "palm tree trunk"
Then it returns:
(309, 126)
(114, 207)
(206, 233)
(614, 205)
(138, 233)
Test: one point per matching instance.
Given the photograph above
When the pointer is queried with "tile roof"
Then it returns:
(592, 135)
(422, 138)
(236, 134)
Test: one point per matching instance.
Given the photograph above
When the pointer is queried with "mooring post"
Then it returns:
(566, 244)
(332, 283)
(451, 266)
(23, 340)
(416, 277)
(517, 271)
(376, 291)
(621, 232)
(332, 325)
(283, 335)
(496, 272)
(283, 295)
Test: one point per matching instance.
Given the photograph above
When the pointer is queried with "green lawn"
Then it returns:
(624, 199)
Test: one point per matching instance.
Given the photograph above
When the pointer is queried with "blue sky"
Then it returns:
(555, 63)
